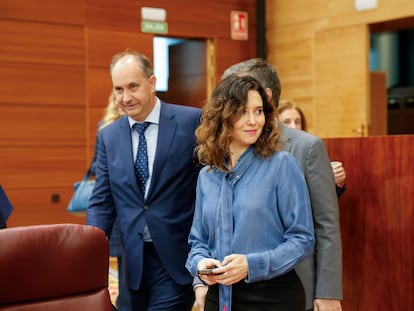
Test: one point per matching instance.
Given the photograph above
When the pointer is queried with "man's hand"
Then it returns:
(200, 296)
(327, 305)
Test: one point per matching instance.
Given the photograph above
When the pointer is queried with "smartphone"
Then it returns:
(209, 271)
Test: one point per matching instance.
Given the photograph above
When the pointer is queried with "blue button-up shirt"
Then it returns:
(270, 215)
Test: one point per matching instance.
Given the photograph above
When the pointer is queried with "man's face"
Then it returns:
(134, 92)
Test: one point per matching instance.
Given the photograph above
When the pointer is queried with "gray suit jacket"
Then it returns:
(321, 271)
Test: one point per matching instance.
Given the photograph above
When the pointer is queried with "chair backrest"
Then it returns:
(54, 267)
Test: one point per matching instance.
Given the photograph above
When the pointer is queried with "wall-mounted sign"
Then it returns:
(154, 27)
(362, 5)
(239, 25)
(153, 20)
(153, 14)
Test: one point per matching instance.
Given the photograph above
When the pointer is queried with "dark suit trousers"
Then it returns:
(158, 291)
(283, 293)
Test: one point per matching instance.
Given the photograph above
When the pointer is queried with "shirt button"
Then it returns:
(146, 207)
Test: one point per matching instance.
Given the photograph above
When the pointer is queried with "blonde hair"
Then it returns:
(112, 111)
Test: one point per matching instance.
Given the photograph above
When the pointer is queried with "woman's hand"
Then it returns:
(233, 269)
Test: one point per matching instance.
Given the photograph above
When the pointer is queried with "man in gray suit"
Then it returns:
(320, 272)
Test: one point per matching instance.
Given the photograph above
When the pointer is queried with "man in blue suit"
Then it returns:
(155, 220)
(5, 208)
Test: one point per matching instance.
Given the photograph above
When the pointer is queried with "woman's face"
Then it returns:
(291, 118)
(247, 129)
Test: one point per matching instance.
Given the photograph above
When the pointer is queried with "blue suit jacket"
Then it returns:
(6, 208)
(169, 206)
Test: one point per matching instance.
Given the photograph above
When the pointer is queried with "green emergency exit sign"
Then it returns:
(154, 27)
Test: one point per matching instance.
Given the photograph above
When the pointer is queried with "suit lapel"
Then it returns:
(166, 132)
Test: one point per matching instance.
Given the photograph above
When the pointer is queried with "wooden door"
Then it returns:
(187, 83)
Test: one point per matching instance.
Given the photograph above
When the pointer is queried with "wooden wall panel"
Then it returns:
(240, 50)
(311, 22)
(44, 166)
(337, 13)
(33, 84)
(342, 95)
(55, 63)
(195, 22)
(99, 86)
(294, 64)
(104, 44)
(32, 175)
(49, 11)
(281, 13)
(59, 44)
(377, 221)
(34, 206)
(55, 125)
(113, 15)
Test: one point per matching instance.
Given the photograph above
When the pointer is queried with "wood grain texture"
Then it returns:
(378, 104)
(54, 60)
(341, 97)
(323, 63)
(49, 11)
(42, 85)
(55, 126)
(41, 43)
(34, 206)
(104, 44)
(41, 166)
(377, 221)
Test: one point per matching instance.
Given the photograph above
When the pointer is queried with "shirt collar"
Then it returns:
(153, 117)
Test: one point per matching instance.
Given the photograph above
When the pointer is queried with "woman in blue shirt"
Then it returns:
(252, 220)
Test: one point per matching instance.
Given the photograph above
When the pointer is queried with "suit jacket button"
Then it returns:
(146, 207)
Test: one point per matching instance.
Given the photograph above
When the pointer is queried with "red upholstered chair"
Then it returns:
(54, 267)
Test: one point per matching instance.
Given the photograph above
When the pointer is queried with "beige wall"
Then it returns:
(321, 49)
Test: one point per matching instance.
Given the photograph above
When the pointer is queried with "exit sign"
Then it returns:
(239, 25)
(154, 27)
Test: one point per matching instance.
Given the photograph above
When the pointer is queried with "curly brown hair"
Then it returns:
(227, 104)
